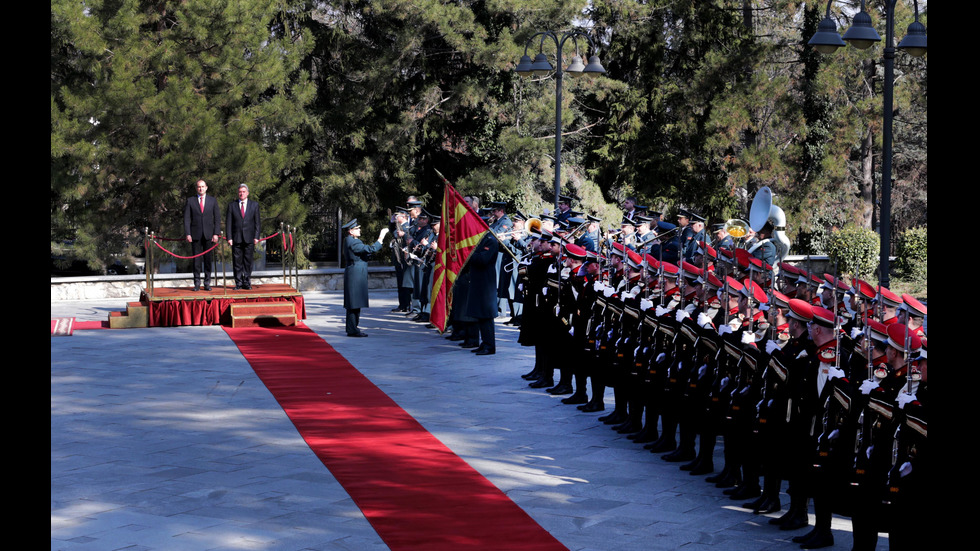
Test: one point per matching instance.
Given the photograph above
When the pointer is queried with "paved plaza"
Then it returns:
(164, 439)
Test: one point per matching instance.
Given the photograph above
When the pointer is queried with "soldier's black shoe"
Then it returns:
(680, 454)
(467, 344)
(795, 523)
(542, 383)
(486, 352)
(753, 505)
(576, 398)
(744, 491)
(768, 505)
(644, 436)
(531, 375)
(662, 445)
(628, 427)
(815, 539)
(561, 388)
(593, 407)
(703, 467)
(718, 477)
(614, 418)
(730, 480)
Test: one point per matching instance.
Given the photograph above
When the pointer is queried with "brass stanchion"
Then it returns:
(224, 266)
(147, 262)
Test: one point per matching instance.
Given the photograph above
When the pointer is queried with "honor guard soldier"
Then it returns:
(882, 419)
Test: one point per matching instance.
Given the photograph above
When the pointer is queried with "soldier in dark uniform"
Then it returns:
(502, 226)
(584, 297)
(721, 238)
(542, 266)
(695, 231)
(419, 240)
(356, 255)
(564, 211)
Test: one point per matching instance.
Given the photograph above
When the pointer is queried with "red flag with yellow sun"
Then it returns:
(461, 230)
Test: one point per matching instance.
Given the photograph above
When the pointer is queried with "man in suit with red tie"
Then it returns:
(202, 224)
(244, 225)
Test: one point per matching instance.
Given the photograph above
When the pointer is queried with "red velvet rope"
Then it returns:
(171, 253)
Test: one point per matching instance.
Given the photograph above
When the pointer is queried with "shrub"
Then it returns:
(911, 252)
(855, 250)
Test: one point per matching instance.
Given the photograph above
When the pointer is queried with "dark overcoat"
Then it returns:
(356, 255)
(482, 300)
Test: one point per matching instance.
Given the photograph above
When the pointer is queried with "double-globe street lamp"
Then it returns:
(540, 67)
(862, 35)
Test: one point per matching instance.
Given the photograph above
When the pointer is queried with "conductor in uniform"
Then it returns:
(356, 255)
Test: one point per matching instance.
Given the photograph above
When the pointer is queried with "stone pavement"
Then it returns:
(165, 439)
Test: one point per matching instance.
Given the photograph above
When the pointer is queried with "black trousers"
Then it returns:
(353, 318)
(487, 337)
(241, 259)
(202, 263)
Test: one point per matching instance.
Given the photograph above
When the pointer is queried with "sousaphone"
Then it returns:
(764, 212)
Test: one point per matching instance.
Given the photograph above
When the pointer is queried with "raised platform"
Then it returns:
(177, 306)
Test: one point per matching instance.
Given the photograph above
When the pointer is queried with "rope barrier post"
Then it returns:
(224, 266)
(292, 244)
(147, 265)
(282, 259)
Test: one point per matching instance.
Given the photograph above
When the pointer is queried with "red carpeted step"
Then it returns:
(414, 490)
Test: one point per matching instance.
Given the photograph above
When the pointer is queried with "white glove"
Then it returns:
(724, 329)
(661, 310)
(544, 291)
(905, 469)
(598, 286)
(833, 435)
(867, 386)
(905, 398)
(607, 292)
(771, 346)
(747, 337)
(836, 373)
(384, 232)
(645, 304)
(660, 357)
(856, 332)
(572, 331)
(552, 269)
(704, 320)
(681, 314)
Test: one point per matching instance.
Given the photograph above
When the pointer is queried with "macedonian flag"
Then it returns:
(461, 230)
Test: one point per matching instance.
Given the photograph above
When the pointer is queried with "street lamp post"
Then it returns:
(541, 67)
(862, 35)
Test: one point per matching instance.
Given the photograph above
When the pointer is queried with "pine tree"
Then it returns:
(147, 97)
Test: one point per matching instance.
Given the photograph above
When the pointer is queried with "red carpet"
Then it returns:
(414, 490)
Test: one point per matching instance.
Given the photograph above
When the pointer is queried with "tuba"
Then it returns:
(764, 212)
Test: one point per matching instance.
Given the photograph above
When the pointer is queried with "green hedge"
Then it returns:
(854, 248)
(911, 252)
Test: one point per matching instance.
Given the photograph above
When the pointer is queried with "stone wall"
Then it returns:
(130, 286)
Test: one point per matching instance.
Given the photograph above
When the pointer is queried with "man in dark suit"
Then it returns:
(202, 224)
(244, 226)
